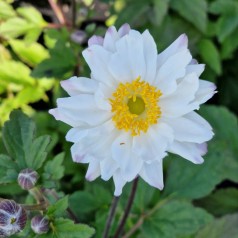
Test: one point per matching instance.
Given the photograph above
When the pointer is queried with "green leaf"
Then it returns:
(6, 10)
(210, 54)
(225, 227)
(84, 202)
(58, 208)
(54, 170)
(7, 163)
(18, 134)
(229, 45)
(15, 27)
(187, 180)
(62, 60)
(227, 25)
(160, 10)
(223, 201)
(223, 7)
(37, 152)
(15, 72)
(66, 228)
(193, 11)
(32, 54)
(19, 140)
(32, 15)
(175, 219)
(133, 12)
(225, 142)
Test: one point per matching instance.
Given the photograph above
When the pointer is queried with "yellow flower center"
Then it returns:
(135, 106)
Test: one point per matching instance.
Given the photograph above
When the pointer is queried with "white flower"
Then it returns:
(138, 106)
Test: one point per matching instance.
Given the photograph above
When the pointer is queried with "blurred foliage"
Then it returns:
(37, 50)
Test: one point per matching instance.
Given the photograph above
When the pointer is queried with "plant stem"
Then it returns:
(35, 207)
(144, 216)
(128, 208)
(58, 12)
(110, 217)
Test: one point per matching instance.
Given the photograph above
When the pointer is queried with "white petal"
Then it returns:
(91, 143)
(150, 54)
(195, 68)
(190, 151)
(77, 154)
(64, 116)
(95, 40)
(102, 96)
(129, 163)
(108, 167)
(75, 85)
(98, 58)
(111, 37)
(173, 69)
(153, 174)
(178, 103)
(205, 91)
(124, 30)
(83, 108)
(154, 143)
(76, 134)
(128, 63)
(186, 129)
(93, 170)
(179, 44)
(119, 183)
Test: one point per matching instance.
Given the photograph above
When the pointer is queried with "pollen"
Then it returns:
(134, 106)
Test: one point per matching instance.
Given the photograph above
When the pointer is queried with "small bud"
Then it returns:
(27, 178)
(78, 37)
(12, 218)
(40, 224)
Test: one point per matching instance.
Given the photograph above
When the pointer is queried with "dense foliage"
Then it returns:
(39, 47)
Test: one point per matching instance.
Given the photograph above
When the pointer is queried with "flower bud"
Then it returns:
(12, 218)
(40, 224)
(27, 178)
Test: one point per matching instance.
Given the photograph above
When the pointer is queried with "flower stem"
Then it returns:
(110, 217)
(128, 208)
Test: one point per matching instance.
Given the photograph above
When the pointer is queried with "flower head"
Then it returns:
(27, 178)
(12, 218)
(40, 224)
(138, 106)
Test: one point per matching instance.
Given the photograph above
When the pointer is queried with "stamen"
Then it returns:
(135, 106)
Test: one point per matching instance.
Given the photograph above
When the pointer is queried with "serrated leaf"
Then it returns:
(6, 10)
(66, 228)
(225, 142)
(175, 219)
(210, 54)
(31, 54)
(58, 208)
(37, 152)
(15, 72)
(15, 27)
(225, 227)
(54, 170)
(193, 11)
(7, 163)
(187, 180)
(18, 134)
(19, 140)
(32, 15)
(223, 201)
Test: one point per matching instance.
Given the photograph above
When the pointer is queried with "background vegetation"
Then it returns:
(41, 44)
